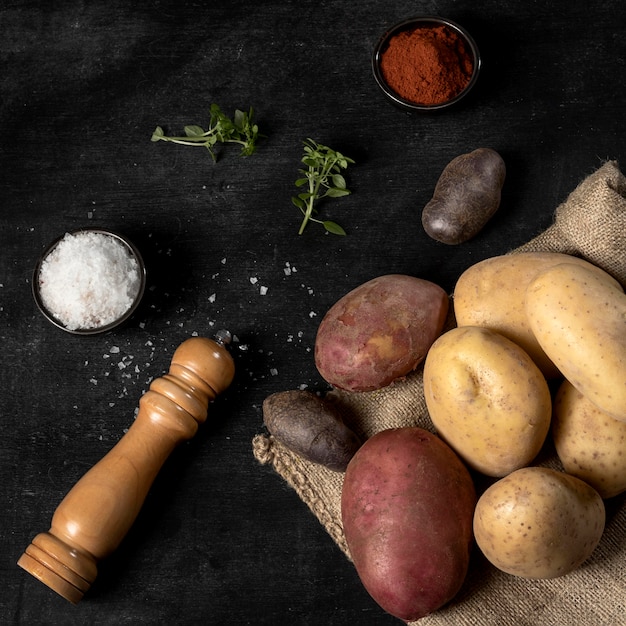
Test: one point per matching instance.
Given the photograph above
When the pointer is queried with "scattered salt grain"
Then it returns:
(263, 290)
(88, 280)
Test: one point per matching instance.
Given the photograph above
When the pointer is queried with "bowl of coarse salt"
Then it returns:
(89, 281)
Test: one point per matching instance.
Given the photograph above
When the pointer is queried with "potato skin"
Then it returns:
(379, 332)
(579, 319)
(466, 196)
(487, 399)
(311, 427)
(590, 444)
(407, 506)
(492, 294)
(538, 523)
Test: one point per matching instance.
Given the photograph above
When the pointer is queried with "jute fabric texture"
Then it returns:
(591, 223)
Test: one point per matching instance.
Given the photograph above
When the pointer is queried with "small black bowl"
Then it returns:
(95, 330)
(411, 24)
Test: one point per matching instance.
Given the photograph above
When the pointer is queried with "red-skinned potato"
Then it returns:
(407, 507)
(379, 332)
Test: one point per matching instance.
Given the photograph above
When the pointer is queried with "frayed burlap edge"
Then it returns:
(591, 224)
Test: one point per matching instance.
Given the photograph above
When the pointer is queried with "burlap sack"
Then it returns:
(591, 224)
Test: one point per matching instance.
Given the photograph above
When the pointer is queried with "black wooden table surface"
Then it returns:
(221, 539)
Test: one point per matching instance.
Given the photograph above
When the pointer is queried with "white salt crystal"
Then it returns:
(263, 290)
(254, 280)
(88, 280)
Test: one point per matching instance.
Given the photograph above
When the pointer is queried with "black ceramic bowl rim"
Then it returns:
(406, 25)
(96, 330)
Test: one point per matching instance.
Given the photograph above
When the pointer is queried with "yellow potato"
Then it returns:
(487, 399)
(538, 523)
(491, 294)
(579, 319)
(590, 443)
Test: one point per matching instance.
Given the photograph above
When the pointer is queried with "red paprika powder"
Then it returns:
(427, 65)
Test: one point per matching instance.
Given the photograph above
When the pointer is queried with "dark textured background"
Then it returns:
(222, 540)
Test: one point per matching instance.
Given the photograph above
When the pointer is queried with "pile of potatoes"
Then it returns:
(527, 324)
(538, 350)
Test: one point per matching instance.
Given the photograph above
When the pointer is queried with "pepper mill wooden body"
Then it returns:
(96, 514)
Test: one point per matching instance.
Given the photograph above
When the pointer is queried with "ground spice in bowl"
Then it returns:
(426, 63)
(89, 281)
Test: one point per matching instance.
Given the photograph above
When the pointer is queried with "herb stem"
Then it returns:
(323, 179)
(240, 130)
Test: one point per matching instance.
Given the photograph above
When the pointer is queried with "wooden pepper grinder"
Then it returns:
(96, 514)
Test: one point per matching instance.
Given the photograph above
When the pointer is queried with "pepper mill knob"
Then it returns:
(96, 514)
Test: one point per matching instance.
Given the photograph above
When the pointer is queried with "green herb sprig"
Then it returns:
(240, 130)
(323, 179)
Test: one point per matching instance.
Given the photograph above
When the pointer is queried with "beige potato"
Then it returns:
(590, 443)
(487, 399)
(491, 293)
(538, 523)
(579, 319)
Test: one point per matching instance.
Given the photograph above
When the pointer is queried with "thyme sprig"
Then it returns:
(222, 129)
(323, 179)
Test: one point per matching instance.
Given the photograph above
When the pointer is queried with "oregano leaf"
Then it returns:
(193, 131)
(339, 181)
(333, 228)
(333, 192)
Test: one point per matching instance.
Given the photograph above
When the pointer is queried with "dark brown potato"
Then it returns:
(466, 196)
(311, 427)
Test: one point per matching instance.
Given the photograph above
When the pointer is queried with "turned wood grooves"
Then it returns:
(96, 514)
